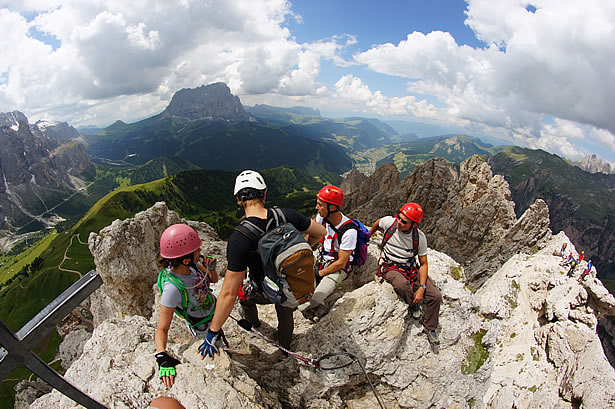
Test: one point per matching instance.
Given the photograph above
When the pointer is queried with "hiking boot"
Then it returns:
(432, 336)
(415, 309)
(243, 315)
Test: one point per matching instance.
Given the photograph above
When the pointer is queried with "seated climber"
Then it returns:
(335, 254)
(184, 287)
(402, 243)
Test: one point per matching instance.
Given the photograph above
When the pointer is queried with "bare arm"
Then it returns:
(162, 331)
(423, 273)
(315, 232)
(226, 300)
(339, 264)
(375, 227)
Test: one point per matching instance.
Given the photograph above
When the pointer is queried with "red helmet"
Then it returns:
(331, 194)
(179, 240)
(412, 211)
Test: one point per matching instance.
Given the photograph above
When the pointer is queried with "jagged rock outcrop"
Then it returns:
(213, 101)
(125, 254)
(468, 213)
(526, 339)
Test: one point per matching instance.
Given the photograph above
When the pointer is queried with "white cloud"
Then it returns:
(555, 62)
(353, 91)
(113, 53)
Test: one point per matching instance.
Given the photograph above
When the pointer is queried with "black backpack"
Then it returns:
(288, 261)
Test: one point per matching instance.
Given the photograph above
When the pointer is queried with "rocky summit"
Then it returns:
(213, 102)
(527, 338)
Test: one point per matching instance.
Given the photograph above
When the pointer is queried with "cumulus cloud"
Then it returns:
(353, 91)
(116, 53)
(554, 62)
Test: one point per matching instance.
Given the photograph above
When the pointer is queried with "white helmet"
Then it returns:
(249, 179)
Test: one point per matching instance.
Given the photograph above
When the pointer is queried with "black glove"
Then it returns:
(166, 364)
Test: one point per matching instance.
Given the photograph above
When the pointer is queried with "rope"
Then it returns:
(314, 363)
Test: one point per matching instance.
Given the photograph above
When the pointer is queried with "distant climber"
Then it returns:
(184, 285)
(242, 255)
(573, 266)
(562, 252)
(401, 244)
(335, 254)
(568, 260)
(586, 272)
(581, 256)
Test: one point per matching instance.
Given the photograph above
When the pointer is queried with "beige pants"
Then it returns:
(327, 285)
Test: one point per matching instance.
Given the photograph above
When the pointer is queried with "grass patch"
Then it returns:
(519, 357)
(513, 335)
(11, 266)
(477, 355)
(457, 272)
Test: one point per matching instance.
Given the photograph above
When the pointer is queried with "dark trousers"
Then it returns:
(286, 322)
(405, 289)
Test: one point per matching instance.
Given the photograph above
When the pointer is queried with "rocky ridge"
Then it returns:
(535, 326)
(468, 211)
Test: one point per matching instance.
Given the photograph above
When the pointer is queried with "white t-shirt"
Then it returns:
(348, 242)
(399, 247)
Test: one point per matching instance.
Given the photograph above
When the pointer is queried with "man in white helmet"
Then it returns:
(250, 191)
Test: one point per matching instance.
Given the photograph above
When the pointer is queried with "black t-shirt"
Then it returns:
(241, 251)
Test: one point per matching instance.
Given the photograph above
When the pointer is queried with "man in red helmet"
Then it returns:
(402, 243)
(335, 253)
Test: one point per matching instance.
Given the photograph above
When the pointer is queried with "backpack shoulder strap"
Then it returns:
(415, 241)
(250, 230)
(179, 284)
(348, 224)
(388, 233)
(278, 218)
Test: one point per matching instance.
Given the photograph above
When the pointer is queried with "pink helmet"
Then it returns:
(179, 240)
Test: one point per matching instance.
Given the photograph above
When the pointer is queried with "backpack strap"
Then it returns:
(415, 238)
(254, 233)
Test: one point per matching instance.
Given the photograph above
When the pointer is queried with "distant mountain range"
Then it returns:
(209, 127)
(40, 168)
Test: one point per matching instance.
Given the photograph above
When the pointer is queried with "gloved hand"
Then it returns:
(209, 346)
(166, 368)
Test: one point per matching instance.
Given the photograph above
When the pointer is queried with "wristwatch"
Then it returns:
(424, 286)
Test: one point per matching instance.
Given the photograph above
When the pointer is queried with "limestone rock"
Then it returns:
(118, 369)
(71, 347)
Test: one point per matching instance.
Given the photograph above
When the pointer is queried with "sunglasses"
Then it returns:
(402, 221)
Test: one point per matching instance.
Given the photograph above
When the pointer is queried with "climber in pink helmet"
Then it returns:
(184, 290)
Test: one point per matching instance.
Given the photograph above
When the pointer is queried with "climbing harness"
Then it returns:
(314, 363)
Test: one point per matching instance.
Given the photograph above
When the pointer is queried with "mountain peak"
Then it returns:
(213, 101)
(594, 164)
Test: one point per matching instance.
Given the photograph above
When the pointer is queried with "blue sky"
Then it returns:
(535, 74)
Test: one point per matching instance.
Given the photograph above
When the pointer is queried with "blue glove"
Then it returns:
(209, 345)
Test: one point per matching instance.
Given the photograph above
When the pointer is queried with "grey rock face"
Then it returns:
(213, 101)
(468, 213)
